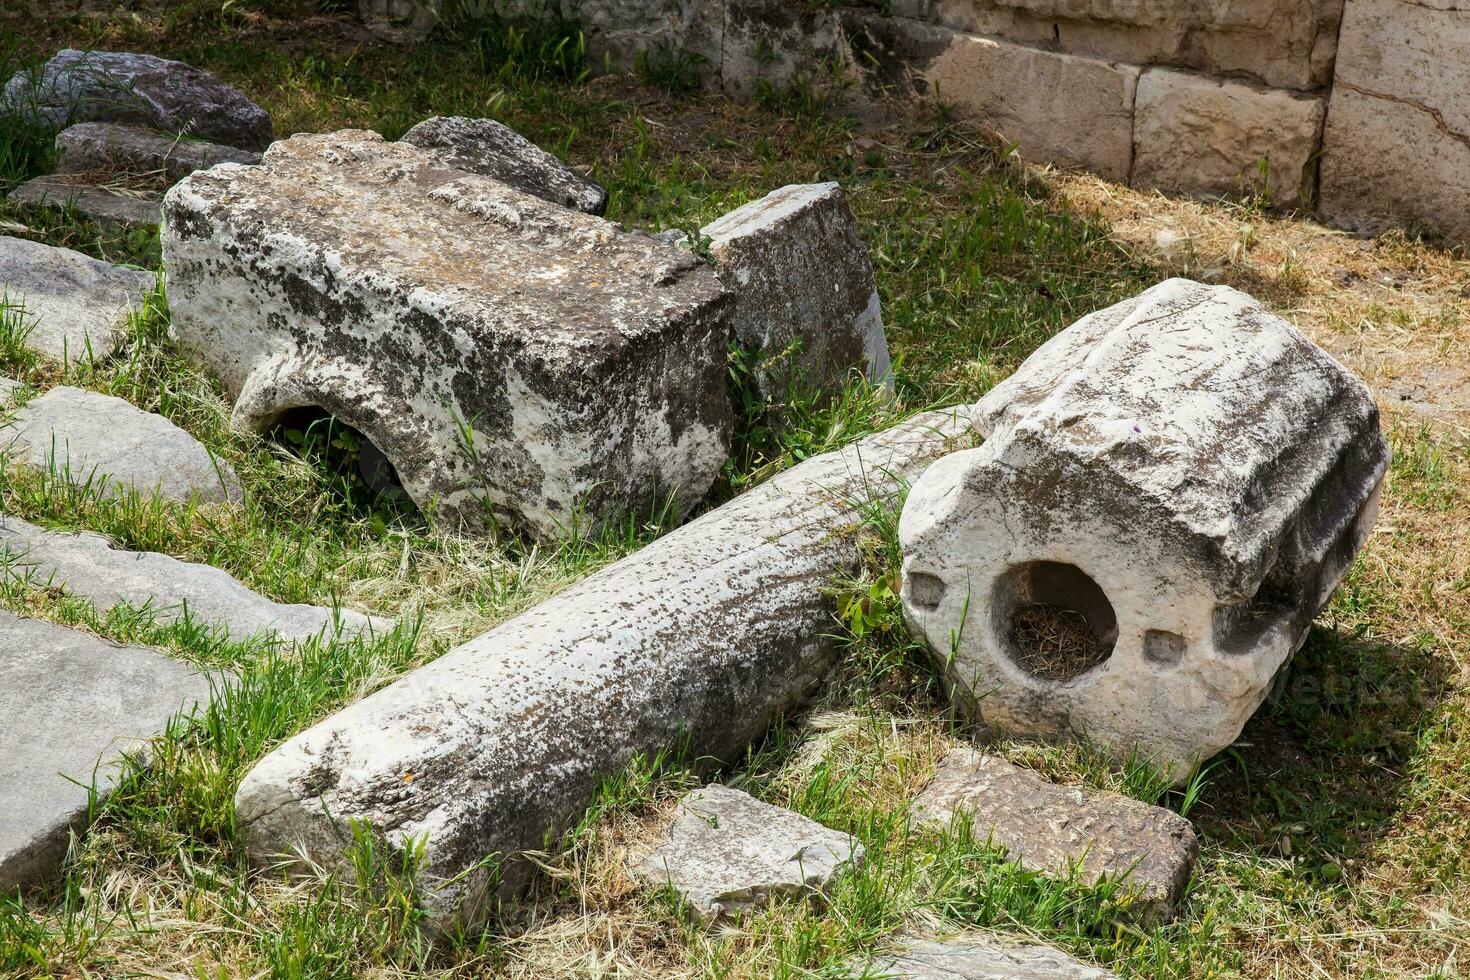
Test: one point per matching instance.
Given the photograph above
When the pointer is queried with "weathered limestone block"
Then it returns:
(1056, 829)
(727, 854)
(1059, 108)
(1169, 492)
(114, 86)
(72, 302)
(977, 957)
(515, 361)
(683, 35)
(1397, 145)
(88, 566)
(771, 43)
(1209, 136)
(484, 146)
(114, 148)
(804, 289)
(100, 204)
(109, 443)
(400, 21)
(71, 705)
(709, 633)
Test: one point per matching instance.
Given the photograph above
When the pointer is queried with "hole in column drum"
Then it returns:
(1162, 647)
(926, 590)
(1057, 622)
(356, 469)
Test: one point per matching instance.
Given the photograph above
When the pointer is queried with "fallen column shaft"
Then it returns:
(712, 633)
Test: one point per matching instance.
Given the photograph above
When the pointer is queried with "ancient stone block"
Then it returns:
(111, 444)
(804, 289)
(71, 705)
(1169, 492)
(727, 854)
(86, 565)
(115, 86)
(400, 21)
(1061, 829)
(484, 146)
(1195, 134)
(515, 361)
(976, 957)
(1059, 108)
(1397, 145)
(72, 302)
(707, 634)
(112, 148)
(682, 37)
(100, 204)
(775, 45)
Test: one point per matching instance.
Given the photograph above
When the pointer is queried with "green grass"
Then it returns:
(1334, 835)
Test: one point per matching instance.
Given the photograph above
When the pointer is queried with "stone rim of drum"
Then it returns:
(1187, 473)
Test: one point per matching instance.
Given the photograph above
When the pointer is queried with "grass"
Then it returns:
(1334, 834)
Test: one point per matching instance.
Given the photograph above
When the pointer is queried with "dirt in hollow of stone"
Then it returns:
(1054, 643)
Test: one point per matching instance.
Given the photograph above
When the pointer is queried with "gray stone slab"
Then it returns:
(8, 389)
(71, 300)
(977, 957)
(71, 705)
(484, 146)
(728, 854)
(119, 86)
(102, 439)
(87, 565)
(118, 148)
(1055, 829)
(100, 204)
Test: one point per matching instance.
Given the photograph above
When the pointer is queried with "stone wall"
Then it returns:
(1198, 97)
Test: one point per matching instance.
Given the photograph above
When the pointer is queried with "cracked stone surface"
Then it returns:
(976, 957)
(71, 300)
(70, 706)
(804, 289)
(110, 443)
(1397, 145)
(100, 204)
(711, 632)
(88, 566)
(517, 362)
(727, 854)
(1054, 828)
(1184, 477)
(117, 148)
(117, 86)
(484, 146)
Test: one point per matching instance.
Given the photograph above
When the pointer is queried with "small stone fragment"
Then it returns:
(88, 566)
(484, 146)
(1054, 828)
(127, 208)
(108, 442)
(71, 705)
(727, 854)
(73, 302)
(977, 957)
(1186, 478)
(113, 148)
(804, 289)
(115, 86)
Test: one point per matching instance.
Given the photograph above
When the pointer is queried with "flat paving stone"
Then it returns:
(88, 566)
(727, 853)
(71, 706)
(99, 438)
(70, 299)
(1053, 828)
(977, 958)
(100, 204)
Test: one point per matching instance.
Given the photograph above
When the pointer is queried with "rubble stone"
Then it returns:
(708, 634)
(1182, 479)
(1058, 829)
(977, 957)
(73, 302)
(516, 362)
(804, 289)
(484, 146)
(770, 44)
(400, 21)
(100, 204)
(113, 445)
(727, 854)
(114, 148)
(72, 705)
(115, 86)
